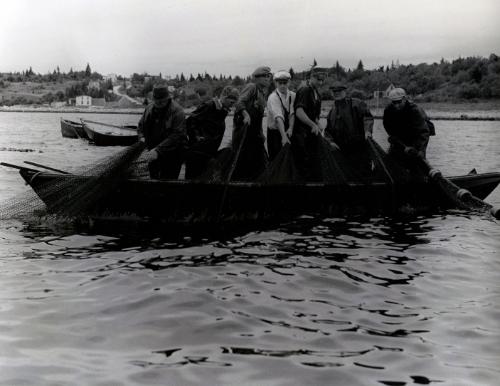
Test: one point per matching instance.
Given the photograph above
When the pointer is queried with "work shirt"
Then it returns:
(163, 129)
(309, 99)
(348, 121)
(206, 125)
(280, 106)
(407, 125)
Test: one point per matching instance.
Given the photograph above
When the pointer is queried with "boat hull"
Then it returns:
(110, 136)
(186, 201)
(71, 129)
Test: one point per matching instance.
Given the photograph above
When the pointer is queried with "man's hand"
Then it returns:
(289, 133)
(284, 140)
(368, 135)
(315, 129)
(246, 118)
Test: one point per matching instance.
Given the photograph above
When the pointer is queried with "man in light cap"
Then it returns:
(205, 128)
(407, 126)
(280, 114)
(162, 128)
(248, 115)
(349, 124)
(306, 128)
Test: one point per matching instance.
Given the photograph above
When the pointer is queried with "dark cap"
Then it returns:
(338, 86)
(230, 93)
(160, 91)
(262, 71)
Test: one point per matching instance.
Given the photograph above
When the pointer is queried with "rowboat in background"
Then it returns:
(72, 129)
(105, 134)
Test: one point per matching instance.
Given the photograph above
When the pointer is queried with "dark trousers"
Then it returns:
(167, 166)
(196, 163)
(273, 143)
(305, 152)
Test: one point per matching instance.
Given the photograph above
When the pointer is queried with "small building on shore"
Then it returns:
(83, 100)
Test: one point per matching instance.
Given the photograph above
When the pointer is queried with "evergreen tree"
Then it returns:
(360, 66)
(88, 71)
(292, 73)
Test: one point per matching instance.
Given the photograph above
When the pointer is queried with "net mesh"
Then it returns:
(71, 194)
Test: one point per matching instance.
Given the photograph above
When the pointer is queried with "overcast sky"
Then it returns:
(235, 36)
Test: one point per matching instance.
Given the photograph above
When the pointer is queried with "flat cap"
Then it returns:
(396, 94)
(230, 92)
(262, 71)
(338, 86)
(160, 91)
(282, 75)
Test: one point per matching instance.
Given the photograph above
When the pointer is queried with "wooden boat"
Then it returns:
(72, 129)
(105, 134)
(181, 201)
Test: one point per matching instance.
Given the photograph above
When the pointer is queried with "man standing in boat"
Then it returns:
(306, 128)
(407, 126)
(247, 126)
(280, 114)
(162, 127)
(349, 124)
(205, 128)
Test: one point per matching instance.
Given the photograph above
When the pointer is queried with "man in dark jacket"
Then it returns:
(162, 128)
(247, 126)
(406, 125)
(306, 129)
(349, 124)
(205, 127)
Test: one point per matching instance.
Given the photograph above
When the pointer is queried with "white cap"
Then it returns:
(396, 94)
(282, 74)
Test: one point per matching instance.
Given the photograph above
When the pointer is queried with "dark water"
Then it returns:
(337, 301)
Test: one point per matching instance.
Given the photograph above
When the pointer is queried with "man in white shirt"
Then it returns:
(280, 114)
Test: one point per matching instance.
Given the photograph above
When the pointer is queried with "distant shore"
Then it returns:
(480, 111)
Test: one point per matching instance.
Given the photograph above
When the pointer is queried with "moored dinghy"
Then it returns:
(72, 129)
(105, 134)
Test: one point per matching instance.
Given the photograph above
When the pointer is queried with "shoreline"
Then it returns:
(435, 112)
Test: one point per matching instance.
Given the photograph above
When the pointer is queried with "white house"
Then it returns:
(83, 100)
(111, 77)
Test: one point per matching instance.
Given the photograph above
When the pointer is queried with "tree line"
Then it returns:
(466, 78)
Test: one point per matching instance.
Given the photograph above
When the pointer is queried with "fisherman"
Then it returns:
(205, 127)
(407, 126)
(306, 129)
(280, 114)
(349, 125)
(247, 127)
(162, 128)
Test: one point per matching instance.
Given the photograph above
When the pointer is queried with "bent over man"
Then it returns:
(205, 127)
(406, 125)
(162, 128)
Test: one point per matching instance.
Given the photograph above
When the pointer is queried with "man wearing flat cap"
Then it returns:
(349, 124)
(306, 129)
(247, 126)
(407, 125)
(280, 114)
(205, 127)
(162, 128)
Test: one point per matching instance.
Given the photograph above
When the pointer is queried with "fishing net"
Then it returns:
(67, 194)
